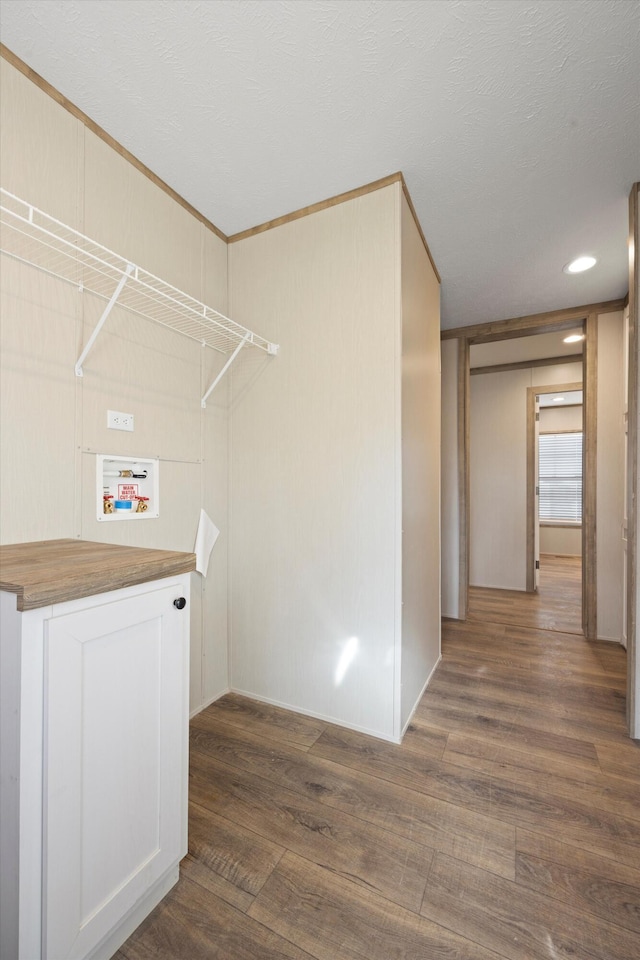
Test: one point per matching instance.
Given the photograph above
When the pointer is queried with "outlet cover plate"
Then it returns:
(119, 421)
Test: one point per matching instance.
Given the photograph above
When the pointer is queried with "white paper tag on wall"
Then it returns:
(205, 538)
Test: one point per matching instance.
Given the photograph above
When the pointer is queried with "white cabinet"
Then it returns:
(97, 713)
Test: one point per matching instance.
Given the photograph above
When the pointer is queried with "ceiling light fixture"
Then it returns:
(558, 399)
(579, 265)
(574, 338)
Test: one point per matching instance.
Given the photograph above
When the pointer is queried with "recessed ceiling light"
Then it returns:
(558, 399)
(574, 338)
(579, 265)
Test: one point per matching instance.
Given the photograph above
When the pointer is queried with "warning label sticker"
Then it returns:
(127, 491)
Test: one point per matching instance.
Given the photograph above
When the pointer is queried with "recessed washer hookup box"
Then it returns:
(127, 488)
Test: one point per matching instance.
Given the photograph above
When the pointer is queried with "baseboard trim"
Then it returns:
(322, 716)
(316, 716)
(114, 940)
(420, 696)
(207, 703)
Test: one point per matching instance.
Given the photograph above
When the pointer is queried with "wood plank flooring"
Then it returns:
(556, 606)
(506, 825)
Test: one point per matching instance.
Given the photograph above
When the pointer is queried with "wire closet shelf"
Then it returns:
(33, 237)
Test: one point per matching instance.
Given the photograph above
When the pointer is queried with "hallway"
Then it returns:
(507, 824)
(556, 606)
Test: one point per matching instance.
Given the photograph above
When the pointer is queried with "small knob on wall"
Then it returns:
(180, 603)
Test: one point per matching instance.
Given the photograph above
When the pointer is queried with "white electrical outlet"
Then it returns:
(119, 421)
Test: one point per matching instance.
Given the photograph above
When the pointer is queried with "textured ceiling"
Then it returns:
(516, 124)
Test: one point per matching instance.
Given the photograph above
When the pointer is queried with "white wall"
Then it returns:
(450, 553)
(420, 466)
(54, 423)
(498, 471)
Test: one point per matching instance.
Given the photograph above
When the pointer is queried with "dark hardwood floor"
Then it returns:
(507, 825)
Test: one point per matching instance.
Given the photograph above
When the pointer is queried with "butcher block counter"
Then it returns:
(54, 571)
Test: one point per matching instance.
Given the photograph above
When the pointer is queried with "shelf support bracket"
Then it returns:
(105, 313)
(215, 383)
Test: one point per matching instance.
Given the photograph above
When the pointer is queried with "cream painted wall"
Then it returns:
(316, 466)
(523, 348)
(610, 503)
(53, 423)
(555, 419)
(498, 480)
(316, 473)
(498, 460)
(450, 522)
(561, 541)
(420, 466)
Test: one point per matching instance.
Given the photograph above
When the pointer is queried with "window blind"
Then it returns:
(560, 476)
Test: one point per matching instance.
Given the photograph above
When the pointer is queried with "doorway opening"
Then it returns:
(555, 425)
(525, 474)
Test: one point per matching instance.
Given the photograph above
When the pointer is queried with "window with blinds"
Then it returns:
(560, 476)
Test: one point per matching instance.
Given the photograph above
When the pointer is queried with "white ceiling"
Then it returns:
(516, 124)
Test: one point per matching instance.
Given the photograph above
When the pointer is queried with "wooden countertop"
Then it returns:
(53, 571)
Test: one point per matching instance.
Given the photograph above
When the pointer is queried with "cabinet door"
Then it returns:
(115, 763)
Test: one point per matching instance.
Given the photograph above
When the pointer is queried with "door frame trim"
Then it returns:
(509, 330)
(633, 667)
(532, 393)
(464, 491)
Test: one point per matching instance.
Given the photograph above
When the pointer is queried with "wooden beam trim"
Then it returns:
(556, 326)
(531, 324)
(334, 201)
(407, 195)
(91, 125)
(525, 364)
(559, 388)
(317, 207)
